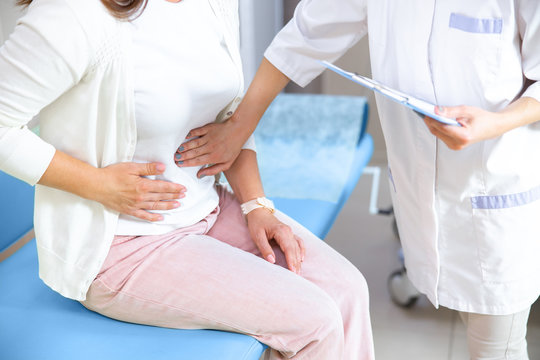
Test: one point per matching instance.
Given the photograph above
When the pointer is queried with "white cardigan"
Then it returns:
(67, 61)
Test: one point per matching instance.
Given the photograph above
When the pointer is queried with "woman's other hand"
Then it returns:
(476, 125)
(123, 187)
(264, 226)
(218, 144)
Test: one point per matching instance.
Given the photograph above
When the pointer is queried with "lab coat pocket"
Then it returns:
(472, 48)
(507, 232)
(475, 25)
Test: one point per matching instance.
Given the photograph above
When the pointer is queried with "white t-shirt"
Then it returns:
(183, 77)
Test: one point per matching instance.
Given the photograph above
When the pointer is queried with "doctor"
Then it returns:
(469, 220)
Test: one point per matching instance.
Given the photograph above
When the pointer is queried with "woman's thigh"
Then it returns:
(198, 282)
(218, 280)
(322, 266)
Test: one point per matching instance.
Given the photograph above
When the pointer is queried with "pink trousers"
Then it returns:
(211, 276)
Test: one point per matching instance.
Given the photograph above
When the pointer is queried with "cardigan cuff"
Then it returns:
(250, 144)
(25, 155)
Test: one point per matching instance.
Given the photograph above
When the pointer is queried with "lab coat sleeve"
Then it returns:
(47, 53)
(319, 30)
(250, 144)
(529, 28)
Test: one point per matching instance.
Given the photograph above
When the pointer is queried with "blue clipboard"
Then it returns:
(420, 106)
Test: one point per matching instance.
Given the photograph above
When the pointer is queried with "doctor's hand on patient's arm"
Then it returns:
(121, 187)
(478, 124)
(220, 144)
(264, 227)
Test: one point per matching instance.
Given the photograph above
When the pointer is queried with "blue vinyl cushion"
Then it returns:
(36, 323)
(319, 215)
(16, 213)
(306, 144)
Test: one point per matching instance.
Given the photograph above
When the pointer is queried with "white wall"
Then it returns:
(260, 20)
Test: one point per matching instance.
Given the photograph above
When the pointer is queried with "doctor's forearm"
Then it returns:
(266, 85)
(524, 111)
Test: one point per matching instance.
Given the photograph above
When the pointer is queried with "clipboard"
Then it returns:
(418, 105)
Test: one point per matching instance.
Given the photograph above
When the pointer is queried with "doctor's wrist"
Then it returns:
(244, 124)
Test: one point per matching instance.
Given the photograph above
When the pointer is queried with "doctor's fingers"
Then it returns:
(196, 157)
(218, 155)
(454, 137)
(456, 112)
(202, 151)
(200, 131)
(214, 169)
(191, 144)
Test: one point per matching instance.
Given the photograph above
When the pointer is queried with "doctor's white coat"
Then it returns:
(469, 220)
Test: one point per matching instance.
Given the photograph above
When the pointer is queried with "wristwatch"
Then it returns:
(260, 202)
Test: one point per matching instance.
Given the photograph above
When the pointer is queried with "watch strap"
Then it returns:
(260, 202)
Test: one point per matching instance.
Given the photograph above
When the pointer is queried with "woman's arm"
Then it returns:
(478, 124)
(243, 176)
(120, 187)
(220, 144)
(47, 54)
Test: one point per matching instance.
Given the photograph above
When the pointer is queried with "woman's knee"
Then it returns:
(320, 317)
(353, 285)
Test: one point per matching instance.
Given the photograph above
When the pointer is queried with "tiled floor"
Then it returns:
(421, 332)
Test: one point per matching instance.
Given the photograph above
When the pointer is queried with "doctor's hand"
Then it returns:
(123, 187)
(264, 226)
(476, 125)
(218, 144)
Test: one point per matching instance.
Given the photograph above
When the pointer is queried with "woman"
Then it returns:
(123, 230)
(468, 219)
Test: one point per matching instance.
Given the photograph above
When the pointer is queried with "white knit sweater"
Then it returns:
(68, 61)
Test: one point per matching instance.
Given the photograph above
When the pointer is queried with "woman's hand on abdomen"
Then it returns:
(121, 187)
(126, 190)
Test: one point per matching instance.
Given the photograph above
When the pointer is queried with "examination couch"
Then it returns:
(324, 134)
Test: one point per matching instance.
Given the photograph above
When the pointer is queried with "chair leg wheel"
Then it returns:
(402, 291)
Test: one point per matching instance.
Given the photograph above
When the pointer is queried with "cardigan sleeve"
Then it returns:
(319, 30)
(47, 54)
(529, 28)
(250, 144)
